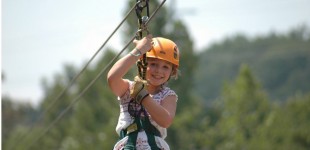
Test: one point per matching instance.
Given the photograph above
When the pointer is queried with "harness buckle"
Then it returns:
(132, 128)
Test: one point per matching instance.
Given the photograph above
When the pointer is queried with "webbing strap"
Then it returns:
(150, 131)
(132, 137)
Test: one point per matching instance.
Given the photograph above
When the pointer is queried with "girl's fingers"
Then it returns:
(149, 36)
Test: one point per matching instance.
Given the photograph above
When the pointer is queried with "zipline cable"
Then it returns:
(73, 80)
(91, 83)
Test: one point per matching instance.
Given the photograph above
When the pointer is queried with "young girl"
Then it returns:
(147, 108)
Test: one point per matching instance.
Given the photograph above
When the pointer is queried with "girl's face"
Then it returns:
(158, 71)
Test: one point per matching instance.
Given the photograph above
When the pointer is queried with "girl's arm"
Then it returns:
(162, 114)
(115, 76)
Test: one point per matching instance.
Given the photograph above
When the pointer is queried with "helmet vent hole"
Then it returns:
(175, 52)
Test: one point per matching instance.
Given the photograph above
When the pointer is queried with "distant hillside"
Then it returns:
(281, 62)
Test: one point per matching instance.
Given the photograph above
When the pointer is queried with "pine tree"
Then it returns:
(244, 109)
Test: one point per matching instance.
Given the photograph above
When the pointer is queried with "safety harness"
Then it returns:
(141, 123)
(136, 110)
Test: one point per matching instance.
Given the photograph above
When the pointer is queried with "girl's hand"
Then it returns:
(138, 91)
(145, 44)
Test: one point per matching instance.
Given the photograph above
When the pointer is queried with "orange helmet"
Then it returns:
(164, 49)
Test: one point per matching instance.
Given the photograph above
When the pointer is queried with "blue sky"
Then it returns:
(40, 36)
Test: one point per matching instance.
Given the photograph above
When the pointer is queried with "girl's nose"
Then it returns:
(156, 68)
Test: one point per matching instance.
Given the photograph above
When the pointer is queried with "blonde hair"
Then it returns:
(175, 72)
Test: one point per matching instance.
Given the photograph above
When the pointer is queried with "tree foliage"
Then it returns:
(281, 63)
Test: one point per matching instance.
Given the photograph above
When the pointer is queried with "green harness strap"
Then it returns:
(150, 131)
(132, 137)
(140, 124)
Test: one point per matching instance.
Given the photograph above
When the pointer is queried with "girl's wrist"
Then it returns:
(136, 52)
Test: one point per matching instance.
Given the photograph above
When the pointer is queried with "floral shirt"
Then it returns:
(125, 120)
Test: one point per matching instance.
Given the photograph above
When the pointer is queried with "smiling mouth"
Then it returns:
(157, 77)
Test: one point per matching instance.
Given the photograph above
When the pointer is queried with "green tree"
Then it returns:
(56, 100)
(95, 115)
(287, 126)
(244, 109)
(279, 60)
(15, 116)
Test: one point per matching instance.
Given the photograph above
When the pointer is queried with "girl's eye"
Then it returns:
(166, 67)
